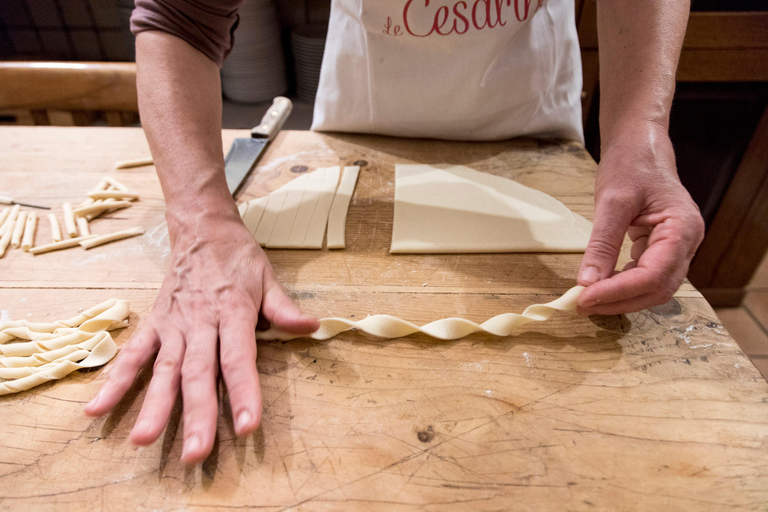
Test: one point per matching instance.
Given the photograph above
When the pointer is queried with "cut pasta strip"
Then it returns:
(316, 229)
(337, 218)
(58, 348)
(306, 210)
(278, 239)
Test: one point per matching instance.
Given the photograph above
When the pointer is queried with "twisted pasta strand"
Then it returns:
(56, 349)
(388, 326)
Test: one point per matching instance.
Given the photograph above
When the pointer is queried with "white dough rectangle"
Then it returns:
(316, 229)
(288, 211)
(337, 218)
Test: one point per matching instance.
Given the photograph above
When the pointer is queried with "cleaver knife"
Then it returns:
(244, 153)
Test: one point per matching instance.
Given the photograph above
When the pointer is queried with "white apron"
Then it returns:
(451, 69)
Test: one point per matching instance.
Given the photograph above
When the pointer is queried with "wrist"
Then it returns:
(633, 132)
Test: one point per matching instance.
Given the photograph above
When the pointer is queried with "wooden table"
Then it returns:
(639, 412)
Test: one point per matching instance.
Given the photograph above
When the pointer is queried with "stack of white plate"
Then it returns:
(308, 44)
(255, 69)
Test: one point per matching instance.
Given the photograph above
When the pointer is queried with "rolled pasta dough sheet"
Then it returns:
(456, 209)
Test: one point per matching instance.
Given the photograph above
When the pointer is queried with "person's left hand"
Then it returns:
(638, 192)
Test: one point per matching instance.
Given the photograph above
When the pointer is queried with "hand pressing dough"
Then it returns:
(387, 326)
(455, 209)
(337, 218)
(56, 349)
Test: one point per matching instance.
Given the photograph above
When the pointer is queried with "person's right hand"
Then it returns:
(204, 317)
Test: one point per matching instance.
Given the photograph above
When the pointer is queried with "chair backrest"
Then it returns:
(80, 88)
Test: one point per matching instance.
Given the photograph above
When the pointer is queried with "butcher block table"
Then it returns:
(648, 411)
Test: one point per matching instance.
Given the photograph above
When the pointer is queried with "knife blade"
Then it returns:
(244, 153)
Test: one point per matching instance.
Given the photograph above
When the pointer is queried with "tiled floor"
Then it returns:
(749, 324)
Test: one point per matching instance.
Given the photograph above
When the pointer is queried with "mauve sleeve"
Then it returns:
(206, 25)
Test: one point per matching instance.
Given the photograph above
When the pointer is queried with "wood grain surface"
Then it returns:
(636, 412)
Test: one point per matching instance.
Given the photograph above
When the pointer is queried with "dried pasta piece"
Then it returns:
(55, 229)
(82, 226)
(112, 237)
(18, 230)
(97, 207)
(387, 326)
(136, 162)
(113, 194)
(70, 226)
(4, 214)
(29, 232)
(57, 246)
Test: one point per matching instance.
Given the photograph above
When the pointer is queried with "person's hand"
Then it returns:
(204, 317)
(638, 192)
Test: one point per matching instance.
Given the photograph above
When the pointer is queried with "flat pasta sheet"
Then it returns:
(456, 209)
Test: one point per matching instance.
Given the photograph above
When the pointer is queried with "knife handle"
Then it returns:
(274, 118)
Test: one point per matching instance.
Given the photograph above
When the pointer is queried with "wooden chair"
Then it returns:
(68, 93)
(718, 47)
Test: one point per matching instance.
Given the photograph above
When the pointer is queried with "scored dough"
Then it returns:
(281, 232)
(316, 230)
(454, 209)
(293, 216)
(337, 218)
(388, 326)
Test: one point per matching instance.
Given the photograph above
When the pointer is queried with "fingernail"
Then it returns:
(192, 445)
(589, 275)
(243, 420)
(95, 401)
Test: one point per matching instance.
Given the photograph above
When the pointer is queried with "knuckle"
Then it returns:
(167, 364)
(602, 247)
(193, 370)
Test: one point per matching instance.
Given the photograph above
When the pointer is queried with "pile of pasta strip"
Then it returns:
(32, 353)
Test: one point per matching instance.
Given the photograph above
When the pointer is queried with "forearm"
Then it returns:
(180, 103)
(640, 42)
